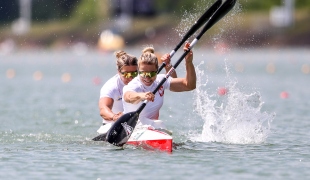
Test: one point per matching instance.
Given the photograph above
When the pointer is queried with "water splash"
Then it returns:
(192, 15)
(235, 118)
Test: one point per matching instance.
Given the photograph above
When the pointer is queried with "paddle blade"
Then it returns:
(202, 20)
(121, 130)
(221, 12)
(100, 137)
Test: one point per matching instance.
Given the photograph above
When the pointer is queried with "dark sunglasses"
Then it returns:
(146, 74)
(129, 74)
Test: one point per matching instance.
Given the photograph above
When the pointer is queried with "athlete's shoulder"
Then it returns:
(111, 85)
(113, 81)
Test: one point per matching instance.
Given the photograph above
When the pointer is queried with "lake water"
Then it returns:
(258, 130)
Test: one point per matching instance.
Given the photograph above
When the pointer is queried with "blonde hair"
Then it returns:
(124, 59)
(148, 57)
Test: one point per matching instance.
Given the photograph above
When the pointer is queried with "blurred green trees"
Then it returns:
(92, 10)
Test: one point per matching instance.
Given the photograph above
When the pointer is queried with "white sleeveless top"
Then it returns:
(113, 89)
(151, 110)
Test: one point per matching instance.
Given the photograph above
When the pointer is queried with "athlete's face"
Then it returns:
(127, 73)
(147, 73)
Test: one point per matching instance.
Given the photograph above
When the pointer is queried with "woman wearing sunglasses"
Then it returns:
(110, 102)
(141, 87)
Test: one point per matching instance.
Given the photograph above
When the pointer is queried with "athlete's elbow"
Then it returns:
(192, 87)
(102, 114)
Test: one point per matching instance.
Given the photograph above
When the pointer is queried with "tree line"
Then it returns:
(46, 10)
(41, 9)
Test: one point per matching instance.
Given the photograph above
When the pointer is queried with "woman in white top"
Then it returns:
(110, 102)
(141, 87)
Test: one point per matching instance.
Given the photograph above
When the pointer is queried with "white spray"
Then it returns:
(235, 119)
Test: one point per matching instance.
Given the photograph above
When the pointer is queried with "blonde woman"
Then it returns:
(141, 87)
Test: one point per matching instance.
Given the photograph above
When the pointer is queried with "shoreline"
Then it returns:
(241, 31)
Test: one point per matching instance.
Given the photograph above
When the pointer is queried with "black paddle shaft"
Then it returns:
(201, 21)
(220, 12)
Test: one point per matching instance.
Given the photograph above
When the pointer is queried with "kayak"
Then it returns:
(148, 134)
(151, 138)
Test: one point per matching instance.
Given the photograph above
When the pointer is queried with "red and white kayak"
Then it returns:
(151, 139)
(148, 134)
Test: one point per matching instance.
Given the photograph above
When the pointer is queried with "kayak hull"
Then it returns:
(151, 139)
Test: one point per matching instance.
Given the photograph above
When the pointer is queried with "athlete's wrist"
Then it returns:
(113, 117)
(168, 66)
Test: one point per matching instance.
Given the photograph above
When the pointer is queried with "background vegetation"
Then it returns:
(85, 10)
(85, 19)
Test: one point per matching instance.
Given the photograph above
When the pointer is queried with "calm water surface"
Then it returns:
(49, 114)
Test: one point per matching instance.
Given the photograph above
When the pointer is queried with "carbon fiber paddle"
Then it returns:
(121, 130)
